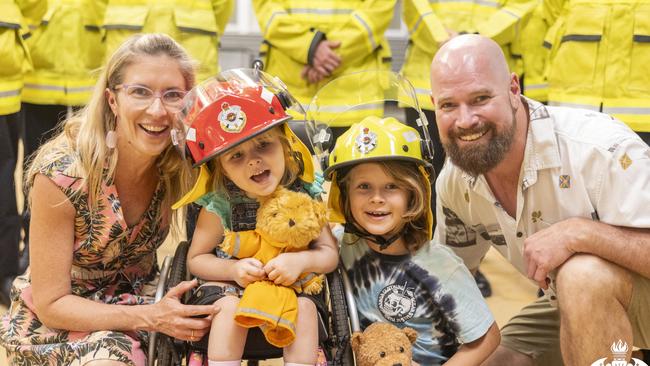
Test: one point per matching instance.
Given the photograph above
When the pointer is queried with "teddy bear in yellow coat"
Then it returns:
(287, 221)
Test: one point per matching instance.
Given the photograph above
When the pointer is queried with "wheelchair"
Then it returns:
(337, 320)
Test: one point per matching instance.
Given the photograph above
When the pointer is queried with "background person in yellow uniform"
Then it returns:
(599, 59)
(308, 43)
(14, 61)
(432, 23)
(197, 25)
(67, 49)
(534, 55)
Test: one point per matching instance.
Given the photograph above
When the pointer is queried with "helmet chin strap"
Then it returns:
(383, 242)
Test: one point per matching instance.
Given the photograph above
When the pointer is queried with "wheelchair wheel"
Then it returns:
(169, 352)
(341, 353)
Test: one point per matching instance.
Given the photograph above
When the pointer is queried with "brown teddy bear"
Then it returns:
(383, 344)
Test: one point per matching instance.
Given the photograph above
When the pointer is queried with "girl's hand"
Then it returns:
(186, 322)
(284, 269)
(248, 270)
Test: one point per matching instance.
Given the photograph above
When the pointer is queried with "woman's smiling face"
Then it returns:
(143, 124)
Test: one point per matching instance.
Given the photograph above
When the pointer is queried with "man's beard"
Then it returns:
(479, 158)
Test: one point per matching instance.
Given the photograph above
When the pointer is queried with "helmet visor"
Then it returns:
(229, 82)
(352, 97)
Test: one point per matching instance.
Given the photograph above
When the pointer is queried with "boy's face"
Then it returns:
(257, 165)
(376, 201)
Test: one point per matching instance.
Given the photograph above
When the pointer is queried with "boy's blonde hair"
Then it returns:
(83, 134)
(408, 177)
(292, 168)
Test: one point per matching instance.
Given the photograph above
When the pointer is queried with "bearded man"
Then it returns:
(563, 194)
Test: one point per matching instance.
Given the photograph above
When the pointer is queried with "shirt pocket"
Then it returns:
(575, 61)
(640, 53)
(12, 52)
(121, 22)
(197, 32)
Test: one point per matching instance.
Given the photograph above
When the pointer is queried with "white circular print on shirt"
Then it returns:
(397, 303)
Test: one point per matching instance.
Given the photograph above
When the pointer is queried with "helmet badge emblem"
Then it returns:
(366, 141)
(232, 118)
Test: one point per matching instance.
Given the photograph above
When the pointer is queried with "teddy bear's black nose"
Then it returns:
(397, 364)
(291, 222)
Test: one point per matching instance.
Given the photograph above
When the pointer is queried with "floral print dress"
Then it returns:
(112, 264)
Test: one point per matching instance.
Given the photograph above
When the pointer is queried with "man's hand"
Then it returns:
(248, 270)
(311, 75)
(325, 59)
(548, 248)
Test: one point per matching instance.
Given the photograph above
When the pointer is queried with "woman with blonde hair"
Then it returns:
(100, 195)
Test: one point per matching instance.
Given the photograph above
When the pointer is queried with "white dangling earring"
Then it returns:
(111, 139)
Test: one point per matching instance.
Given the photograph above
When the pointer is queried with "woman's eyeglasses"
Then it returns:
(143, 97)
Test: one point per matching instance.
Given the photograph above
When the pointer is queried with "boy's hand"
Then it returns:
(248, 270)
(284, 269)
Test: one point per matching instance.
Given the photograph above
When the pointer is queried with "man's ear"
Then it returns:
(112, 99)
(515, 89)
(433, 100)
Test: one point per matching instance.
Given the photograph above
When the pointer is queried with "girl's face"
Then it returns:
(145, 104)
(257, 165)
(377, 203)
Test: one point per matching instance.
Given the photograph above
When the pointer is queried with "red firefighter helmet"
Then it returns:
(229, 109)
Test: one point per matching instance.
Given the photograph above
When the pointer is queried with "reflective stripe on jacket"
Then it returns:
(14, 55)
(534, 56)
(196, 25)
(429, 22)
(600, 52)
(293, 28)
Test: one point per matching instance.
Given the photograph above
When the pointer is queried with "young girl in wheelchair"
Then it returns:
(237, 133)
(380, 192)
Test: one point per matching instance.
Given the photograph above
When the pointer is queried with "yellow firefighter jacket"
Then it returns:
(600, 52)
(67, 51)
(429, 24)
(197, 25)
(14, 56)
(293, 28)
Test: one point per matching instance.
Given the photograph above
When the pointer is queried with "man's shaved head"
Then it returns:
(470, 53)
(476, 100)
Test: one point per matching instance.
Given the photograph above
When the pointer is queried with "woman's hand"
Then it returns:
(248, 270)
(186, 322)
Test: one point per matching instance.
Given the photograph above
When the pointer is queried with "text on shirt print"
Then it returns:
(491, 233)
(457, 235)
(397, 303)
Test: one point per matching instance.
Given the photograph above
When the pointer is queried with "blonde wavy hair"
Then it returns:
(414, 221)
(83, 134)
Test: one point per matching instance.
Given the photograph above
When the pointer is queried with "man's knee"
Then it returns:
(506, 356)
(588, 277)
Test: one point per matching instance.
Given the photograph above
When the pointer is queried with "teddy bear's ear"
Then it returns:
(356, 341)
(320, 211)
(411, 334)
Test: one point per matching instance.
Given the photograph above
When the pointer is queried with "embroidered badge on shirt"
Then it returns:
(625, 161)
(366, 141)
(537, 216)
(232, 118)
(467, 196)
(565, 181)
